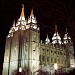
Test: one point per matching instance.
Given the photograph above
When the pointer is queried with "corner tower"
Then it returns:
(69, 50)
(22, 46)
(33, 37)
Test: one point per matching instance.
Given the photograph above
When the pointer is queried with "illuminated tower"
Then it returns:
(22, 46)
(69, 50)
(32, 42)
(56, 39)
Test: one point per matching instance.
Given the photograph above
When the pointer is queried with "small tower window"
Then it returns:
(55, 60)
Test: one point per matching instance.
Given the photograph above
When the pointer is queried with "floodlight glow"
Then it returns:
(55, 66)
(72, 66)
(20, 69)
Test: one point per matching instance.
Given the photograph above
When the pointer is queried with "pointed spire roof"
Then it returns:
(47, 41)
(66, 38)
(55, 28)
(21, 21)
(22, 16)
(66, 30)
(12, 29)
(32, 19)
(14, 23)
(32, 13)
(56, 37)
(22, 12)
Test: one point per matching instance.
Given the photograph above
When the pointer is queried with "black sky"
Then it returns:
(47, 12)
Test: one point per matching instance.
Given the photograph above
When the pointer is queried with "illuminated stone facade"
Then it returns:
(24, 49)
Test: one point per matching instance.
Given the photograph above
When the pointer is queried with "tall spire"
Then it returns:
(56, 37)
(22, 16)
(55, 27)
(22, 12)
(32, 19)
(31, 13)
(21, 20)
(14, 23)
(66, 31)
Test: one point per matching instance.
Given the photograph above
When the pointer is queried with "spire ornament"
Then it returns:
(22, 12)
(55, 27)
(47, 41)
(32, 15)
(32, 20)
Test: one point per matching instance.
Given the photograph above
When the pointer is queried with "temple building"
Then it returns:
(24, 49)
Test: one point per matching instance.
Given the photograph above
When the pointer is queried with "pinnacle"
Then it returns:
(14, 23)
(66, 30)
(22, 12)
(55, 27)
(31, 13)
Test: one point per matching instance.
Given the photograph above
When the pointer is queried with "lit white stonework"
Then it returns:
(32, 19)
(24, 49)
(67, 38)
(47, 41)
(56, 37)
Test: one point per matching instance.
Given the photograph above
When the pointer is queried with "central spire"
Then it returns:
(21, 20)
(22, 12)
(22, 16)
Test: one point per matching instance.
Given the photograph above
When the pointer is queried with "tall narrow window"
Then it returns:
(55, 60)
(47, 59)
(43, 58)
(51, 59)
(39, 57)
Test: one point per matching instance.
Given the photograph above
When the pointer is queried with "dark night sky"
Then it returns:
(47, 12)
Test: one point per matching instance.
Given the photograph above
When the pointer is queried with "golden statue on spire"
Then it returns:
(22, 12)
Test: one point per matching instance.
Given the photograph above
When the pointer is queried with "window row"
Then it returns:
(43, 58)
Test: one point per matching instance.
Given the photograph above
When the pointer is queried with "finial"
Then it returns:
(22, 5)
(31, 13)
(47, 35)
(66, 30)
(55, 27)
(14, 23)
